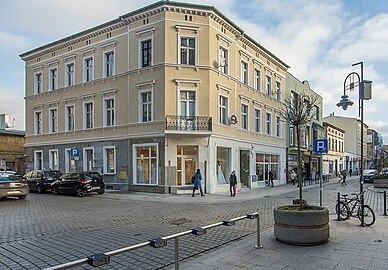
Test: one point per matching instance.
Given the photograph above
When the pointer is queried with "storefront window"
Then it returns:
(146, 167)
(266, 163)
(223, 165)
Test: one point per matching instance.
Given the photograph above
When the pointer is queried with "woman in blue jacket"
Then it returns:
(197, 182)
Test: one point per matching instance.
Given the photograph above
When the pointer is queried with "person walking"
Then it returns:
(232, 184)
(270, 177)
(344, 177)
(197, 183)
(293, 177)
(350, 172)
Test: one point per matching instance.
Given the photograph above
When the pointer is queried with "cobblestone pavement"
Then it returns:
(46, 230)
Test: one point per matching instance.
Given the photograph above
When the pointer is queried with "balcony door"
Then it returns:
(187, 110)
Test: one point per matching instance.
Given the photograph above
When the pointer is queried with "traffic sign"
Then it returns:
(74, 152)
(320, 146)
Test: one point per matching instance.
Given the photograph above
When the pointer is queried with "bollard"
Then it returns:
(176, 254)
(385, 203)
(338, 206)
(258, 245)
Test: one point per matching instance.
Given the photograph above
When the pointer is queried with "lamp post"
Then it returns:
(364, 92)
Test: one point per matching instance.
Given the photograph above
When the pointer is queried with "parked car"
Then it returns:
(384, 172)
(6, 173)
(369, 175)
(79, 183)
(13, 186)
(40, 180)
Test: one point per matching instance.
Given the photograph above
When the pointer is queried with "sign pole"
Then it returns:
(320, 181)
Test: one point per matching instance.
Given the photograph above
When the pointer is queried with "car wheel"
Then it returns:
(80, 192)
(102, 191)
(39, 190)
(22, 197)
(55, 191)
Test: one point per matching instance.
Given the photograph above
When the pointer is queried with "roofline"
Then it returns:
(149, 7)
(334, 126)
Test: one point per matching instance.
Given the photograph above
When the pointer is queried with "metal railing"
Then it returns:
(104, 258)
(188, 123)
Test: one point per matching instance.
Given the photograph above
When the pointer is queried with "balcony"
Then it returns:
(188, 123)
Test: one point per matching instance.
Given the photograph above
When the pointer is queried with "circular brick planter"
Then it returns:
(303, 228)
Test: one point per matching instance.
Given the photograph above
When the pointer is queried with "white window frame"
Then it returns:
(268, 123)
(67, 160)
(244, 72)
(244, 116)
(256, 80)
(68, 105)
(257, 117)
(278, 127)
(292, 136)
(85, 68)
(84, 161)
(278, 90)
(143, 35)
(36, 153)
(223, 110)
(134, 163)
(149, 105)
(53, 153)
(195, 37)
(106, 160)
(53, 80)
(38, 125)
(268, 85)
(188, 89)
(53, 126)
(84, 114)
(113, 65)
(113, 111)
(223, 60)
(38, 85)
(69, 75)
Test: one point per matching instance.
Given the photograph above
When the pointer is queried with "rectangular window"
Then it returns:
(292, 136)
(223, 110)
(268, 84)
(244, 116)
(316, 112)
(244, 72)
(187, 103)
(53, 79)
(38, 83)
(109, 64)
(278, 126)
(278, 91)
(223, 60)
(70, 74)
(69, 121)
(88, 70)
(146, 164)
(53, 160)
(109, 112)
(38, 160)
(109, 160)
(146, 106)
(53, 125)
(88, 109)
(146, 53)
(257, 120)
(256, 76)
(268, 124)
(188, 51)
(88, 159)
(38, 123)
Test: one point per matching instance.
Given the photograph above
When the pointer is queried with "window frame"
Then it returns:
(38, 122)
(268, 83)
(51, 161)
(244, 116)
(278, 90)
(38, 84)
(112, 118)
(223, 59)
(257, 117)
(53, 120)
(68, 105)
(244, 72)
(53, 80)
(278, 126)
(149, 52)
(69, 75)
(85, 114)
(256, 79)
(180, 47)
(109, 65)
(223, 110)
(268, 123)
(106, 160)
(135, 158)
(148, 103)
(87, 68)
(36, 152)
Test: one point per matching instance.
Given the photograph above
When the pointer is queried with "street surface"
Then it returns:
(47, 230)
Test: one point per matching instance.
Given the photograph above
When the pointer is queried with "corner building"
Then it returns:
(149, 97)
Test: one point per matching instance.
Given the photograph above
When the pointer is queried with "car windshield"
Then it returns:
(369, 171)
(94, 176)
(53, 174)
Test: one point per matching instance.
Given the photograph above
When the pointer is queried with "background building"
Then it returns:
(333, 161)
(151, 96)
(375, 149)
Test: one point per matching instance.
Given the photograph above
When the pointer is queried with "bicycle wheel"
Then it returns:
(369, 215)
(343, 210)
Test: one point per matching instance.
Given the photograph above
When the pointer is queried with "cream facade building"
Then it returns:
(151, 96)
(333, 161)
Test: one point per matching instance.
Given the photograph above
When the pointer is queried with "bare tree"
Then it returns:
(298, 111)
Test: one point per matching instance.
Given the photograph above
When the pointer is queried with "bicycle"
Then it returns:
(347, 206)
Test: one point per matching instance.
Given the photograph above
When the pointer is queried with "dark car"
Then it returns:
(369, 175)
(13, 186)
(79, 183)
(40, 180)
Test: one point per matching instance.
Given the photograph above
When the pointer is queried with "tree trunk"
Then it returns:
(299, 168)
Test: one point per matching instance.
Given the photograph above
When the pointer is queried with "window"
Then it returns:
(268, 123)
(187, 103)
(244, 72)
(88, 69)
(292, 136)
(256, 82)
(38, 122)
(266, 163)
(69, 76)
(109, 64)
(278, 126)
(223, 60)
(53, 160)
(69, 162)
(244, 116)
(38, 83)
(316, 112)
(109, 119)
(223, 110)
(53, 122)
(146, 106)
(268, 84)
(257, 120)
(53, 83)
(88, 115)
(38, 160)
(69, 121)
(146, 164)
(146, 53)
(188, 51)
(278, 91)
(88, 159)
(109, 160)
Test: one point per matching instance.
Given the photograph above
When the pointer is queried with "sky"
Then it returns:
(318, 39)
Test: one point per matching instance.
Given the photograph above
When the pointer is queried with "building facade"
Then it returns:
(333, 161)
(151, 96)
(352, 141)
(311, 161)
(12, 150)
(375, 149)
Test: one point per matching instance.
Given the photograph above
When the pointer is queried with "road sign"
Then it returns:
(74, 152)
(320, 146)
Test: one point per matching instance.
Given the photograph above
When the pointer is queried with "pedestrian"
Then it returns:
(232, 184)
(197, 182)
(270, 177)
(344, 178)
(293, 177)
(350, 172)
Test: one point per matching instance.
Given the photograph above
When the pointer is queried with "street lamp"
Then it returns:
(364, 92)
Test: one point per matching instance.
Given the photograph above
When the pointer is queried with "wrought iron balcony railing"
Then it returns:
(189, 123)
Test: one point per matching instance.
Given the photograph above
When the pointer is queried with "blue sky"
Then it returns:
(318, 39)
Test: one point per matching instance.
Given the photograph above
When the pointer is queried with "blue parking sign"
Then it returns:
(320, 146)
(74, 152)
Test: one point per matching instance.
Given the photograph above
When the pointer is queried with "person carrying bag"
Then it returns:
(233, 184)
